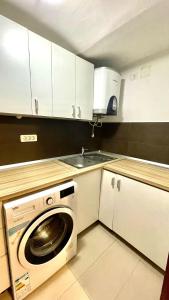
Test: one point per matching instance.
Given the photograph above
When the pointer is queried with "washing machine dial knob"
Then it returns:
(49, 201)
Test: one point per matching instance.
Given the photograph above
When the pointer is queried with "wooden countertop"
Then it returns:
(19, 181)
(23, 180)
(144, 172)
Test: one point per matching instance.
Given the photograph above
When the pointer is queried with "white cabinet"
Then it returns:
(63, 78)
(40, 78)
(88, 193)
(2, 242)
(139, 213)
(107, 199)
(2, 233)
(142, 218)
(1, 216)
(73, 79)
(15, 95)
(84, 89)
(5, 279)
(41, 74)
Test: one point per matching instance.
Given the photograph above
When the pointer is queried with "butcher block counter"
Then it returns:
(19, 181)
(144, 172)
(23, 180)
(15, 182)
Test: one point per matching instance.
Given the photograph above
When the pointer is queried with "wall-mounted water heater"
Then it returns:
(106, 91)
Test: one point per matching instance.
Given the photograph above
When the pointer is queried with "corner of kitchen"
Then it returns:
(84, 156)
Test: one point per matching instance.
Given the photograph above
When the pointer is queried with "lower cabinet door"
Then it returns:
(141, 217)
(107, 198)
(4, 281)
(2, 242)
(88, 193)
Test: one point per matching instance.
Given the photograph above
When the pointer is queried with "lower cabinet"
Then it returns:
(2, 242)
(88, 194)
(107, 199)
(139, 214)
(5, 279)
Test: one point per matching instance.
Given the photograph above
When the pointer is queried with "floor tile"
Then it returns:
(145, 283)
(105, 278)
(55, 286)
(106, 268)
(90, 246)
(76, 292)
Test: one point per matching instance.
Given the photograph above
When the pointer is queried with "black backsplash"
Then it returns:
(56, 137)
(148, 141)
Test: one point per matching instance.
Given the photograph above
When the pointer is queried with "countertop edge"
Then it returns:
(72, 172)
(139, 178)
(71, 175)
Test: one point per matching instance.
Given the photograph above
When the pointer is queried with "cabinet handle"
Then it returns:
(36, 106)
(118, 185)
(113, 182)
(73, 113)
(79, 112)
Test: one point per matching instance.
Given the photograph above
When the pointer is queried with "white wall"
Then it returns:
(146, 92)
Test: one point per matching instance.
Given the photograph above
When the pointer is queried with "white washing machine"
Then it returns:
(41, 236)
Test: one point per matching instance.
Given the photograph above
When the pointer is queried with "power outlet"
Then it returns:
(25, 138)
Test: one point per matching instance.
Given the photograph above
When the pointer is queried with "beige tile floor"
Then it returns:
(104, 268)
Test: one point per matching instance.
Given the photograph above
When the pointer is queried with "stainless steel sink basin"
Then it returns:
(87, 160)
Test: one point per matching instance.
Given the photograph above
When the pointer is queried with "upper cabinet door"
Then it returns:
(63, 77)
(84, 89)
(41, 74)
(15, 95)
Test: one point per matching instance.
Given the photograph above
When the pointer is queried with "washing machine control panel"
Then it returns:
(49, 201)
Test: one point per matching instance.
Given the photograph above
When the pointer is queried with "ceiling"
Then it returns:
(113, 33)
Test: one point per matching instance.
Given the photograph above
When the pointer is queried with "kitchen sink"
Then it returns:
(89, 159)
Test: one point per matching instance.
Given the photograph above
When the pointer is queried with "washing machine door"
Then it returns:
(46, 237)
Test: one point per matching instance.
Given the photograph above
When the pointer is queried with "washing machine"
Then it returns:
(41, 236)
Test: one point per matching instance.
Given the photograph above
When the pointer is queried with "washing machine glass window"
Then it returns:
(46, 237)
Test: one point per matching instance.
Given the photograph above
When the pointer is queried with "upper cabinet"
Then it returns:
(63, 78)
(41, 74)
(37, 77)
(15, 94)
(72, 79)
(84, 89)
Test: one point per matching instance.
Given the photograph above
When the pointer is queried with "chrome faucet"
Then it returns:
(83, 151)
